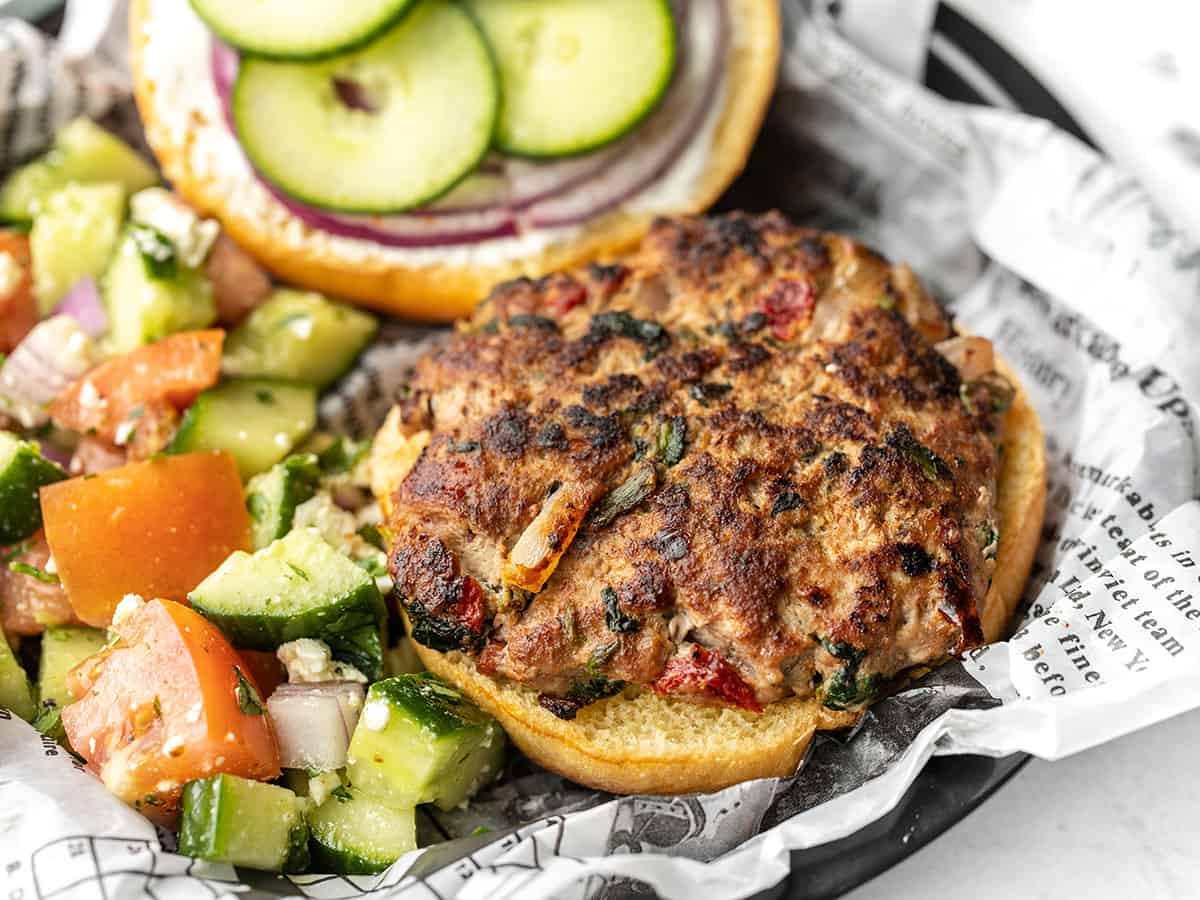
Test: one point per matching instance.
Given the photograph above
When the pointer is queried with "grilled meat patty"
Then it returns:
(734, 467)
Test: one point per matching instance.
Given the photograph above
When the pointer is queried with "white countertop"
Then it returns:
(1118, 821)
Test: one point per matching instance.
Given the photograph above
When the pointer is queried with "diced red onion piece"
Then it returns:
(349, 695)
(51, 356)
(83, 304)
(310, 729)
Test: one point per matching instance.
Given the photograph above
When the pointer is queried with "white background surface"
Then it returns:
(1067, 829)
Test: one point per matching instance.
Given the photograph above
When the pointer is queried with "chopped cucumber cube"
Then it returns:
(420, 740)
(246, 823)
(23, 472)
(297, 587)
(15, 691)
(149, 296)
(63, 648)
(82, 152)
(354, 834)
(298, 336)
(272, 497)
(257, 422)
(73, 237)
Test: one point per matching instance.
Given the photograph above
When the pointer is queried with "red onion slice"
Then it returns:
(506, 194)
(83, 304)
(651, 150)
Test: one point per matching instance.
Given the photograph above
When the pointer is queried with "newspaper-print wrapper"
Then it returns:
(1033, 240)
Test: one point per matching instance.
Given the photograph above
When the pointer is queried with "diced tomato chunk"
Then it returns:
(268, 671)
(28, 601)
(172, 701)
(701, 671)
(133, 399)
(18, 309)
(789, 305)
(155, 528)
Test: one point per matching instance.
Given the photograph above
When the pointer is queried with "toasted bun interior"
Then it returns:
(640, 742)
(431, 284)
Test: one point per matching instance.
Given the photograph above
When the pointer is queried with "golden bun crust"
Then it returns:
(442, 292)
(640, 742)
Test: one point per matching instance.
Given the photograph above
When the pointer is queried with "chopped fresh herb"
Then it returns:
(151, 800)
(136, 413)
(622, 323)
(640, 448)
(299, 572)
(672, 437)
(785, 501)
(438, 632)
(341, 795)
(49, 721)
(258, 506)
(372, 565)
(625, 496)
(480, 829)
(595, 688)
(156, 249)
(466, 446)
(601, 655)
(373, 536)
(886, 302)
(617, 621)
(247, 696)
(33, 572)
(491, 326)
(991, 541)
(756, 321)
(846, 688)
(931, 465)
(522, 320)
(704, 392)
(1000, 393)
(342, 455)
(265, 397)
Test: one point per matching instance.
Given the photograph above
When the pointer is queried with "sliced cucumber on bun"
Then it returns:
(298, 29)
(577, 74)
(382, 129)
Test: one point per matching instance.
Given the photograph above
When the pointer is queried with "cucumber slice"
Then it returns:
(272, 497)
(577, 74)
(298, 29)
(16, 694)
(63, 648)
(73, 237)
(420, 740)
(83, 152)
(245, 823)
(149, 297)
(353, 834)
(298, 336)
(23, 472)
(297, 587)
(426, 100)
(257, 422)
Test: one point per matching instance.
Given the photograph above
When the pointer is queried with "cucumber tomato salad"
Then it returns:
(192, 594)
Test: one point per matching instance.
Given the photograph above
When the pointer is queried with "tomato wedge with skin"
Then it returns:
(32, 599)
(140, 393)
(18, 308)
(155, 528)
(170, 702)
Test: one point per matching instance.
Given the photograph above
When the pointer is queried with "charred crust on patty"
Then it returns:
(769, 448)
